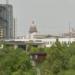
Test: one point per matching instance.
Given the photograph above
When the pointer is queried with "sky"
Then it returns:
(50, 16)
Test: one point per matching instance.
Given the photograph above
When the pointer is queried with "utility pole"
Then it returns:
(69, 30)
(69, 33)
(14, 27)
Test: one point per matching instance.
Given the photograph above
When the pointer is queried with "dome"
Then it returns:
(33, 28)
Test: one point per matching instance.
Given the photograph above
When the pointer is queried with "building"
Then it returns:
(33, 30)
(39, 40)
(6, 21)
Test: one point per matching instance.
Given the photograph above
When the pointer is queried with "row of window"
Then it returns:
(1, 32)
(53, 42)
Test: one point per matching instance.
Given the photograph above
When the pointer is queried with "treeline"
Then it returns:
(60, 60)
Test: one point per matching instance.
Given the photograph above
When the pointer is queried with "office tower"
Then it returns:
(6, 21)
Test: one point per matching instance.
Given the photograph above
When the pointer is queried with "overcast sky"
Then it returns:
(51, 16)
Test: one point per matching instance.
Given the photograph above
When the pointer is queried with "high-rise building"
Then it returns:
(6, 21)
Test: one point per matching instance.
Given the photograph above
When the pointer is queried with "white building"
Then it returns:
(46, 40)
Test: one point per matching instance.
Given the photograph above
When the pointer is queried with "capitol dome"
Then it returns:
(33, 28)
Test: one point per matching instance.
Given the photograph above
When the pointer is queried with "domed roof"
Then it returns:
(33, 28)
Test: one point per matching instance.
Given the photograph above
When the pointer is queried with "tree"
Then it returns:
(67, 72)
(12, 60)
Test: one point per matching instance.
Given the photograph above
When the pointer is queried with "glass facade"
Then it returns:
(6, 21)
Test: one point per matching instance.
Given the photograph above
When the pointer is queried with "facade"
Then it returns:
(6, 21)
(45, 42)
